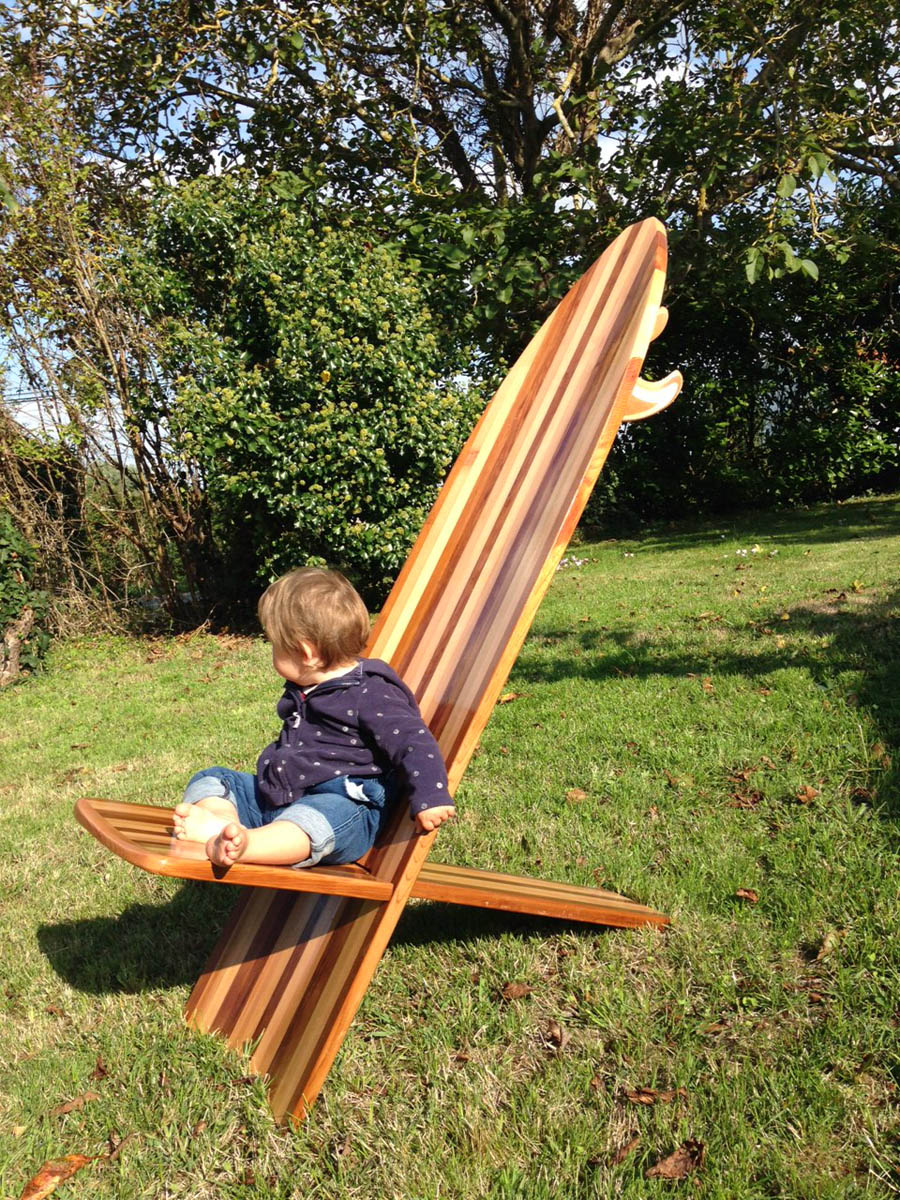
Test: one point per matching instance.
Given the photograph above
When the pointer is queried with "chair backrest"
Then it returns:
(459, 611)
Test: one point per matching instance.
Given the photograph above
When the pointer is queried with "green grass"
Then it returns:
(733, 722)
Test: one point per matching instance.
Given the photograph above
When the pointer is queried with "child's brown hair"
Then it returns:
(319, 606)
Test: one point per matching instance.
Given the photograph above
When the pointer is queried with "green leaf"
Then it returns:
(787, 185)
(808, 267)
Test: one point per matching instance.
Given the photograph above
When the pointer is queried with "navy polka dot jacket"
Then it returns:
(363, 723)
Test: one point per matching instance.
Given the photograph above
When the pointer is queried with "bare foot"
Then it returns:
(195, 824)
(228, 845)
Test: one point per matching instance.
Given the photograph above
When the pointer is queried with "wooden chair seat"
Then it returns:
(142, 834)
(293, 964)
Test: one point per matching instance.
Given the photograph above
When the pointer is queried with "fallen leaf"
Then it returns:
(596, 1084)
(644, 1095)
(18, 1130)
(462, 1056)
(707, 684)
(745, 799)
(747, 894)
(830, 943)
(767, 762)
(99, 1071)
(881, 755)
(806, 794)
(73, 1105)
(619, 1156)
(117, 1144)
(653, 812)
(54, 1010)
(198, 1128)
(341, 1151)
(678, 1165)
(556, 1034)
(576, 795)
(508, 697)
(515, 991)
(52, 1174)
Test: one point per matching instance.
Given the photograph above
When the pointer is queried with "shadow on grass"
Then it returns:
(151, 947)
(879, 517)
(148, 946)
(427, 923)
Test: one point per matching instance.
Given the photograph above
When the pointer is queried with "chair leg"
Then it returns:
(290, 972)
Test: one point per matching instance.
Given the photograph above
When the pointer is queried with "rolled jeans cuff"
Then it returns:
(316, 827)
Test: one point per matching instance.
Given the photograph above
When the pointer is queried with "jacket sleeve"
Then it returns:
(392, 723)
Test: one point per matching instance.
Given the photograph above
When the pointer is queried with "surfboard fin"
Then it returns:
(649, 397)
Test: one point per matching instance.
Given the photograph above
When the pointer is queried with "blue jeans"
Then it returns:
(341, 817)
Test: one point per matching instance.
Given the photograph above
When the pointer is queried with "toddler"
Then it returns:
(352, 737)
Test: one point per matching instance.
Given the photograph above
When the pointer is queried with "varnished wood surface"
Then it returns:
(537, 897)
(142, 834)
(452, 628)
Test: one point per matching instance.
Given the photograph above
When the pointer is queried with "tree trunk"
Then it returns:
(11, 646)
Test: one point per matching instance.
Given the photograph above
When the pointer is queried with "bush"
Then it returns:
(17, 595)
(312, 390)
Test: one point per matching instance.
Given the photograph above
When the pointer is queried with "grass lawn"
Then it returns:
(705, 718)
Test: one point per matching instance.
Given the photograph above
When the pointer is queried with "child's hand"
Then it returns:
(430, 818)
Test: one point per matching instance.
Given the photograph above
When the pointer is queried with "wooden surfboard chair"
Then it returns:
(300, 949)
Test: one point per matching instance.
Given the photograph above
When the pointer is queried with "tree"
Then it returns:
(794, 382)
(95, 488)
(238, 375)
(719, 98)
(502, 142)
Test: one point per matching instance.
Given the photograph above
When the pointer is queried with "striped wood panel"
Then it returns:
(291, 972)
(541, 898)
(142, 834)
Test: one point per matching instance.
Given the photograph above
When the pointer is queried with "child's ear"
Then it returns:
(309, 653)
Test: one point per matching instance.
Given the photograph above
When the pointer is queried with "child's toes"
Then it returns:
(233, 841)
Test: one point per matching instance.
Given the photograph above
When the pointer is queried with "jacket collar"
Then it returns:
(352, 678)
